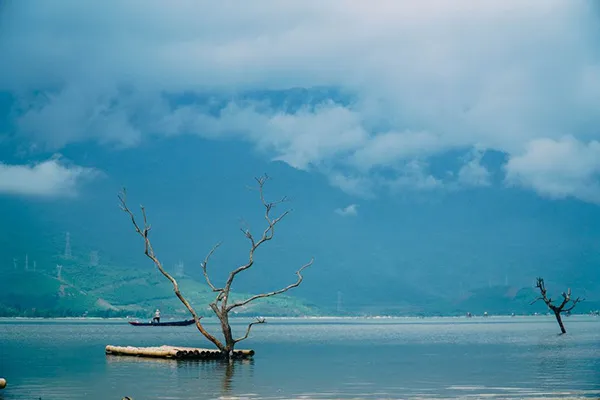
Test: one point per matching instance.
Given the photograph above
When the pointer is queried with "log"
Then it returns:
(2, 383)
(174, 352)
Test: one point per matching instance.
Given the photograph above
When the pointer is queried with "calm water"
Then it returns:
(332, 358)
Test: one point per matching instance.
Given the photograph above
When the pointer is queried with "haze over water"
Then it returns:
(310, 358)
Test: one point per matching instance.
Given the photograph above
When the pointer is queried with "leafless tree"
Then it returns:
(557, 310)
(221, 306)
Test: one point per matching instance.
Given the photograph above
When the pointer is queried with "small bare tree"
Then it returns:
(221, 305)
(557, 310)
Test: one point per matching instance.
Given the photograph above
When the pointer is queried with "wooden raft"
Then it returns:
(180, 353)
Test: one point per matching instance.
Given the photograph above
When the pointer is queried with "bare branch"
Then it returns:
(149, 251)
(267, 235)
(248, 234)
(565, 295)
(285, 289)
(536, 300)
(204, 265)
(542, 286)
(259, 320)
(575, 302)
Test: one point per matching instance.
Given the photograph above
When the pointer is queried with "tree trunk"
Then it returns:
(226, 328)
(560, 323)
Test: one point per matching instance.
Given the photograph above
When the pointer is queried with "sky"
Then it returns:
(413, 120)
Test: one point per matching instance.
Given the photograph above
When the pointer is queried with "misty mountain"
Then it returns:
(425, 253)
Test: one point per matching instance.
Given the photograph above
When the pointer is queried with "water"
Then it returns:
(312, 359)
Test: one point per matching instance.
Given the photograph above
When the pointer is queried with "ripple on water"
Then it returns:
(301, 358)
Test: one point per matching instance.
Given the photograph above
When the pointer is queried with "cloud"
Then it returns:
(558, 168)
(420, 78)
(78, 114)
(354, 185)
(472, 173)
(51, 178)
(349, 211)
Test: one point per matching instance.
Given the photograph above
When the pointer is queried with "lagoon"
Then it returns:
(320, 358)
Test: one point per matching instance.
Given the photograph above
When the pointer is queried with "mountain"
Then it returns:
(403, 253)
(110, 291)
(76, 288)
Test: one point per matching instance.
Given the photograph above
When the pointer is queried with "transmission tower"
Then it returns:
(339, 301)
(26, 262)
(15, 263)
(94, 258)
(58, 271)
(179, 269)
(68, 245)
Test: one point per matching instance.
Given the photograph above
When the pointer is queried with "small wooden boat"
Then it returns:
(170, 323)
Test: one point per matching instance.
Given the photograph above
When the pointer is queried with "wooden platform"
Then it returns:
(174, 352)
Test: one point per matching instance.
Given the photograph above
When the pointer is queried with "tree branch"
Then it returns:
(266, 236)
(149, 251)
(259, 320)
(542, 286)
(535, 301)
(566, 299)
(575, 302)
(204, 265)
(285, 289)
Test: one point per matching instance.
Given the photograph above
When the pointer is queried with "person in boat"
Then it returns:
(156, 316)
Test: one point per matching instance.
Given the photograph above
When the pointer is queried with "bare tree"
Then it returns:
(221, 305)
(557, 310)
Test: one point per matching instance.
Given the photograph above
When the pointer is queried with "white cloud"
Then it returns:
(425, 77)
(413, 175)
(349, 211)
(354, 185)
(51, 178)
(390, 147)
(558, 168)
(472, 173)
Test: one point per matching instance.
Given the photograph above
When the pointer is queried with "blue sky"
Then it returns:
(370, 114)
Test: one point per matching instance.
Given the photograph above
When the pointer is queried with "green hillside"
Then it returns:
(111, 291)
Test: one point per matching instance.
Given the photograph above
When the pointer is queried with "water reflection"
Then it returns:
(216, 376)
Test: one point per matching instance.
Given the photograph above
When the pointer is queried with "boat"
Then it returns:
(170, 323)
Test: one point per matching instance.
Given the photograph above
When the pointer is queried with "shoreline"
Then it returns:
(315, 318)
